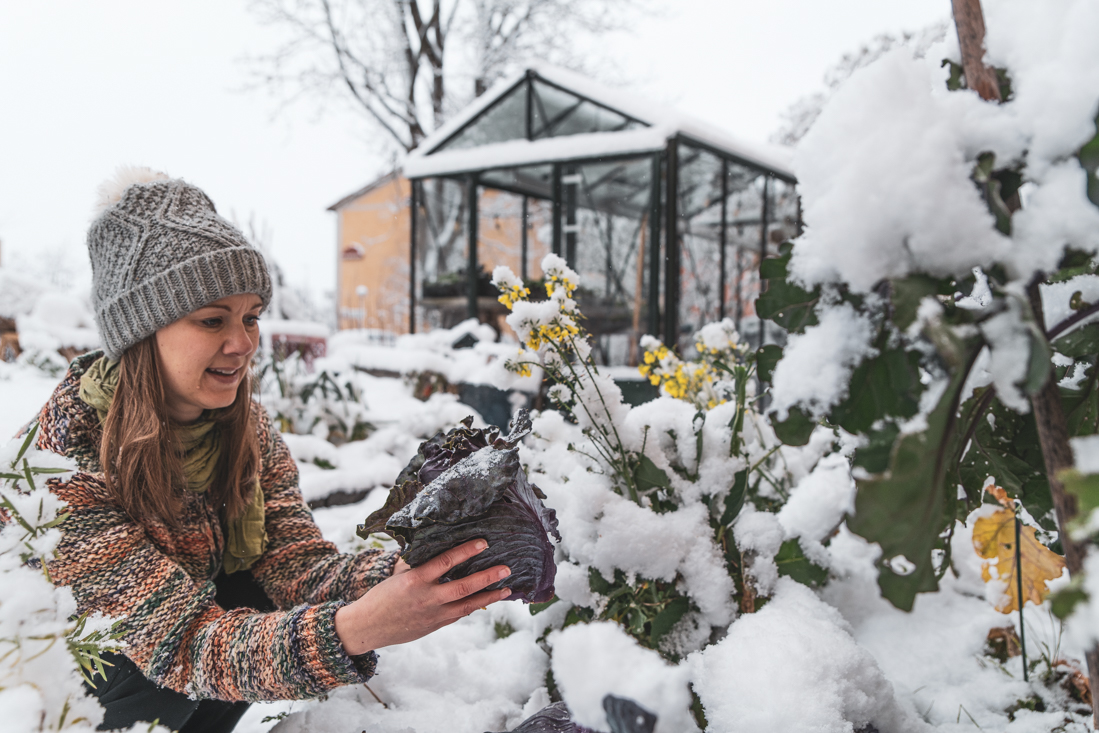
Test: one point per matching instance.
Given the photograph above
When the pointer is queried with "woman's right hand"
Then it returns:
(412, 604)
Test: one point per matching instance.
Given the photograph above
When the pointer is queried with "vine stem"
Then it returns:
(1049, 417)
(1019, 588)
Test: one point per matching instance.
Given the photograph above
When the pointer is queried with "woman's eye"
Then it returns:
(251, 320)
(211, 322)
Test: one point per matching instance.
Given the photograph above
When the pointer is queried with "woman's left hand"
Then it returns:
(401, 567)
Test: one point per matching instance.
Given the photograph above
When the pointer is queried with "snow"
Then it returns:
(885, 171)
(816, 365)
(23, 391)
(57, 320)
(819, 502)
(1085, 453)
(483, 363)
(1009, 349)
(593, 660)
(828, 681)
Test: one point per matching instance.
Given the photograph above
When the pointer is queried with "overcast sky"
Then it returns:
(87, 86)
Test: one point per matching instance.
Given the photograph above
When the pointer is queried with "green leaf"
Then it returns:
(1064, 601)
(1038, 365)
(783, 302)
(598, 583)
(956, 80)
(874, 456)
(1006, 447)
(667, 618)
(537, 608)
(907, 295)
(792, 563)
(1079, 342)
(767, 359)
(1089, 159)
(648, 476)
(734, 500)
(886, 385)
(1081, 405)
(795, 429)
(903, 509)
(1085, 487)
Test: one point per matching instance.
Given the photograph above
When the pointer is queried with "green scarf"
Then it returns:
(246, 536)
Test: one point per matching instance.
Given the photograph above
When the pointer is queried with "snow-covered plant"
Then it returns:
(706, 382)
(950, 324)
(47, 651)
(686, 469)
(323, 403)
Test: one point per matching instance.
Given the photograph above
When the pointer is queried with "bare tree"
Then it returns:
(399, 61)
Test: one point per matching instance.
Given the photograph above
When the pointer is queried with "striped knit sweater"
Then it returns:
(160, 580)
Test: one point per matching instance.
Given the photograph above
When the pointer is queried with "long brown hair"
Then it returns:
(140, 453)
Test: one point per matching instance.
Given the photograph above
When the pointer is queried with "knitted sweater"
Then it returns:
(159, 580)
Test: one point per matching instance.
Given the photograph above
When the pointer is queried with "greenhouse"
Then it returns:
(548, 161)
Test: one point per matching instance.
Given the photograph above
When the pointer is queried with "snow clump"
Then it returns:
(794, 666)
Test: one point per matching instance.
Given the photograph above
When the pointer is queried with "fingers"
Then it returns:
(469, 604)
(458, 589)
(438, 566)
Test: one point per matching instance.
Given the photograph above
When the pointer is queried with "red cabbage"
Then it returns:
(468, 484)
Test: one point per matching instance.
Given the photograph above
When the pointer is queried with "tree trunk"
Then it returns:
(1049, 415)
(970, 22)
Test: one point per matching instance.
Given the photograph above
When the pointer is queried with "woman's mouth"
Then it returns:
(224, 376)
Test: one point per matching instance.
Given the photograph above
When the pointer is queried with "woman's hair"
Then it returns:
(140, 453)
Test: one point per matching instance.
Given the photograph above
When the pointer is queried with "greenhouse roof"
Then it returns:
(560, 116)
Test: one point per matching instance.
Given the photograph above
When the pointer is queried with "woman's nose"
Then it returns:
(239, 341)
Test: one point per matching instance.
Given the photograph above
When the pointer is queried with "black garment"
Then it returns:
(129, 697)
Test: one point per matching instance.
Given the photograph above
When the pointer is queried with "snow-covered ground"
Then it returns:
(806, 661)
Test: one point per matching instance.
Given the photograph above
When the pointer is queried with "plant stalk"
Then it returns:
(1049, 415)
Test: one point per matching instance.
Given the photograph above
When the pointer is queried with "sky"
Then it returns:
(88, 86)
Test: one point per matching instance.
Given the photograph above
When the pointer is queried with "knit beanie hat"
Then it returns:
(160, 251)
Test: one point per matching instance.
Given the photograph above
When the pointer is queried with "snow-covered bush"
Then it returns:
(325, 403)
(941, 302)
(674, 514)
(46, 649)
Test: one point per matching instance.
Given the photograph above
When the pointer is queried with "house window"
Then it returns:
(354, 252)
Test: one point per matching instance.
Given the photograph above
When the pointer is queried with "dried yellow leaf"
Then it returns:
(994, 540)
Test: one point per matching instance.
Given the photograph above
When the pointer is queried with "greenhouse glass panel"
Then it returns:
(699, 205)
(612, 252)
(558, 113)
(504, 120)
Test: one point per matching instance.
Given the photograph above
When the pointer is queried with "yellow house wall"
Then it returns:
(378, 221)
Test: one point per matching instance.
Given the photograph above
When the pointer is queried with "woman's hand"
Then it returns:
(408, 605)
(401, 566)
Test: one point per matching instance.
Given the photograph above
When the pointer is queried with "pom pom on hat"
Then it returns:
(110, 191)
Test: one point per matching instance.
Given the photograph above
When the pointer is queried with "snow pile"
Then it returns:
(56, 321)
(884, 173)
(482, 363)
(794, 666)
(463, 677)
(817, 364)
(18, 292)
(591, 661)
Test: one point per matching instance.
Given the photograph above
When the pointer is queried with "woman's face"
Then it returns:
(204, 356)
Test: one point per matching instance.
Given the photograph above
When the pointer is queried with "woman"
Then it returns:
(186, 520)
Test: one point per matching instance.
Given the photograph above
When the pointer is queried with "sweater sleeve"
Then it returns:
(300, 566)
(173, 629)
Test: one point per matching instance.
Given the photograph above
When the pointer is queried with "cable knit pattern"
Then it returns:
(160, 580)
